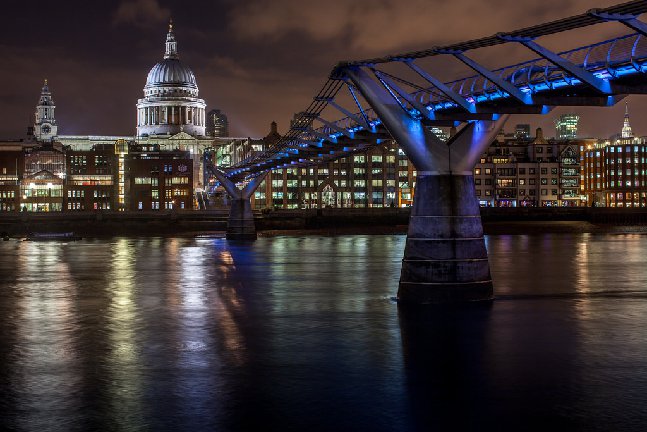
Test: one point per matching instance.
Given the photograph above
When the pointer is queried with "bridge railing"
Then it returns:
(605, 59)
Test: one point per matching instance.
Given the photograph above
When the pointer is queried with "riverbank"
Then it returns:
(318, 222)
(489, 228)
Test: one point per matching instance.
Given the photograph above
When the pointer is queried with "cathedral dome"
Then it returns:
(170, 72)
(170, 104)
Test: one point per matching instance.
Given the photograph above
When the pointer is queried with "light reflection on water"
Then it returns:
(298, 333)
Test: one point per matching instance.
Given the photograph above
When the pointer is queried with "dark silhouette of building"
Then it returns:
(217, 124)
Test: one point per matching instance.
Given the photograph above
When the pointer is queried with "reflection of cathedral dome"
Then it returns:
(170, 72)
(170, 102)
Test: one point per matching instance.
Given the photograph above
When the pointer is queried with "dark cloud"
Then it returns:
(145, 13)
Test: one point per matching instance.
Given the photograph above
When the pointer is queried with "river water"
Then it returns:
(300, 333)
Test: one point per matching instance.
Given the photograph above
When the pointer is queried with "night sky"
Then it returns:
(256, 60)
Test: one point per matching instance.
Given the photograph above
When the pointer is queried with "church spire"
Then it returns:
(626, 127)
(45, 127)
(171, 43)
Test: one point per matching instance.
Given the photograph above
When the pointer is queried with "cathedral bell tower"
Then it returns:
(45, 128)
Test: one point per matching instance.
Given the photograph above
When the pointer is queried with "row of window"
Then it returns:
(154, 181)
(513, 171)
(81, 206)
(155, 205)
(521, 193)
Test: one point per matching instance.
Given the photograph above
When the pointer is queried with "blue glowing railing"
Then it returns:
(607, 60)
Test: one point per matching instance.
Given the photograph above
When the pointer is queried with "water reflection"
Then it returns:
(125, 381)
(299, 333)
(43, 364)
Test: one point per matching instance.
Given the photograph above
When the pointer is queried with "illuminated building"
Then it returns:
(378, 177)
(566, 126)
(12, 164)
(170, 104)
(159, 179)
(90, 182)
(513, 172)
(613, 172)
(516, 173)
(41, 187)
(626, 127)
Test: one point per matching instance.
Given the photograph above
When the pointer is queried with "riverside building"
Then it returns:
(613, 171)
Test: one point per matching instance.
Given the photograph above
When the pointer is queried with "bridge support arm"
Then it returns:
(409, 132)
(240, 225)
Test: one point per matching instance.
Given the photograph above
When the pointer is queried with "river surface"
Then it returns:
(301, 334)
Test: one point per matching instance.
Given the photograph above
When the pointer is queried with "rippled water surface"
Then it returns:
(299, 333)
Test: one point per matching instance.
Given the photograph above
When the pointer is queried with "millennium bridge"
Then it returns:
(400, 97)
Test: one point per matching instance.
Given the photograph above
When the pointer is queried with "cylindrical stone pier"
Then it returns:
(445, 259)
(241, 221)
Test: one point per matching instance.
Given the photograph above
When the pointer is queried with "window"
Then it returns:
(477, 181)
(553, 191)
(531, 170)
(488, 171)
(522, 171)
(531, 181)
(522, 182)
(140, 205)
(553, 181)
(553, 170)
(544, 170)
(477, 171)
(544, 191)
(544, 181)
(539, 149)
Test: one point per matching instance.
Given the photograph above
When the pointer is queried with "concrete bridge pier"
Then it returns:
(445, 259)
(240, 225)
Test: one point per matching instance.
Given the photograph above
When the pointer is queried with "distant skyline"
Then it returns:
(257, 61)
